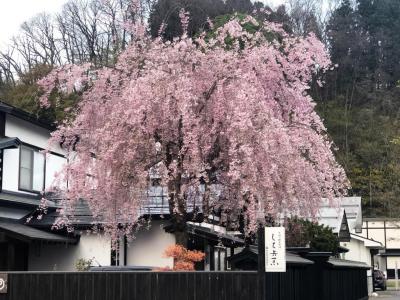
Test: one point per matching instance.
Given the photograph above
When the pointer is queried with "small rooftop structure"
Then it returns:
(348, 213)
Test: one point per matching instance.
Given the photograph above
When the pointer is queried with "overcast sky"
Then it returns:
(15, 12)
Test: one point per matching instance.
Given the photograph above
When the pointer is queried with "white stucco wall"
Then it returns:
(393, 237)
(377, 235)
(47, 257)
(376, 231)
(391, 262)
(357, 251)
(148, 247)
(29, 133)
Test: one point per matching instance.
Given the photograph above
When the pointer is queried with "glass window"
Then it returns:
(31, 170)
(25, 170)
(38, 171)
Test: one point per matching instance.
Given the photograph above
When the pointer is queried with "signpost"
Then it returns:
(271, 254)
(275, 249)
(3, 283)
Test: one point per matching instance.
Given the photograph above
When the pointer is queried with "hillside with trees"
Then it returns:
(359, 101)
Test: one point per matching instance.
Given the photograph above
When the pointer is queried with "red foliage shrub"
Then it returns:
(184, 259)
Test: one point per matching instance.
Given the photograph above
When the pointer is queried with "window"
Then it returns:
(31, 170)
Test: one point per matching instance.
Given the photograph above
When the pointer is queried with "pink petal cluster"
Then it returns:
(68, 78)
(236, 118)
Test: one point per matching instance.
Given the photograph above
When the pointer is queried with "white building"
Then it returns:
(347, 222)
(25, 172)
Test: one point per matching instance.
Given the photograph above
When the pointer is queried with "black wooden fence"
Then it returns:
(306, 284)
(296, 284)
(131, 286)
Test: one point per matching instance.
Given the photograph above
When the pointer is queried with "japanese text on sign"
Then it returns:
(275, 249)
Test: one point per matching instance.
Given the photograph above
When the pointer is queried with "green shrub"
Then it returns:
(83, 264)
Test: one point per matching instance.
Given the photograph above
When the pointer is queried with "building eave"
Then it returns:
(369, 243)
(21, 114)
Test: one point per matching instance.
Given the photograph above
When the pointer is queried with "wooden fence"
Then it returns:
(296, 284)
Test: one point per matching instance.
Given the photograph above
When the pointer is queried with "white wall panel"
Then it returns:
(149, 246)
(146, 250)
(63, 257)
(357, 251)
(392, 261)
(29, 133)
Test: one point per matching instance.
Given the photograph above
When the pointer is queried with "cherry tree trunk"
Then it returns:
(181, 238)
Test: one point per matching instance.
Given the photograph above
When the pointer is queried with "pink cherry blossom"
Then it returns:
(230, 129)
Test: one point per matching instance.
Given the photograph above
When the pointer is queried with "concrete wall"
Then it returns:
(148, 247)
(46, 257)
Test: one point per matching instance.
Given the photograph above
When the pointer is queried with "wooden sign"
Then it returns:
(3, 283)
(275, 249)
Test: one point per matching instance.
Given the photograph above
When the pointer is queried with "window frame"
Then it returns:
(32, 151)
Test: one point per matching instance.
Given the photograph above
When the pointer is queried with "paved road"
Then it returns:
(387, 295)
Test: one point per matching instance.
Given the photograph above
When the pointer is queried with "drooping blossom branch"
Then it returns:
(226, 121)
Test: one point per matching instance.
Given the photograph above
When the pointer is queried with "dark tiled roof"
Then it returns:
(21, 114)
(23, 200)
(341, 263)
(157, 205)
(291, 258)
(81, 217)
(228, 240)
(30, 233)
